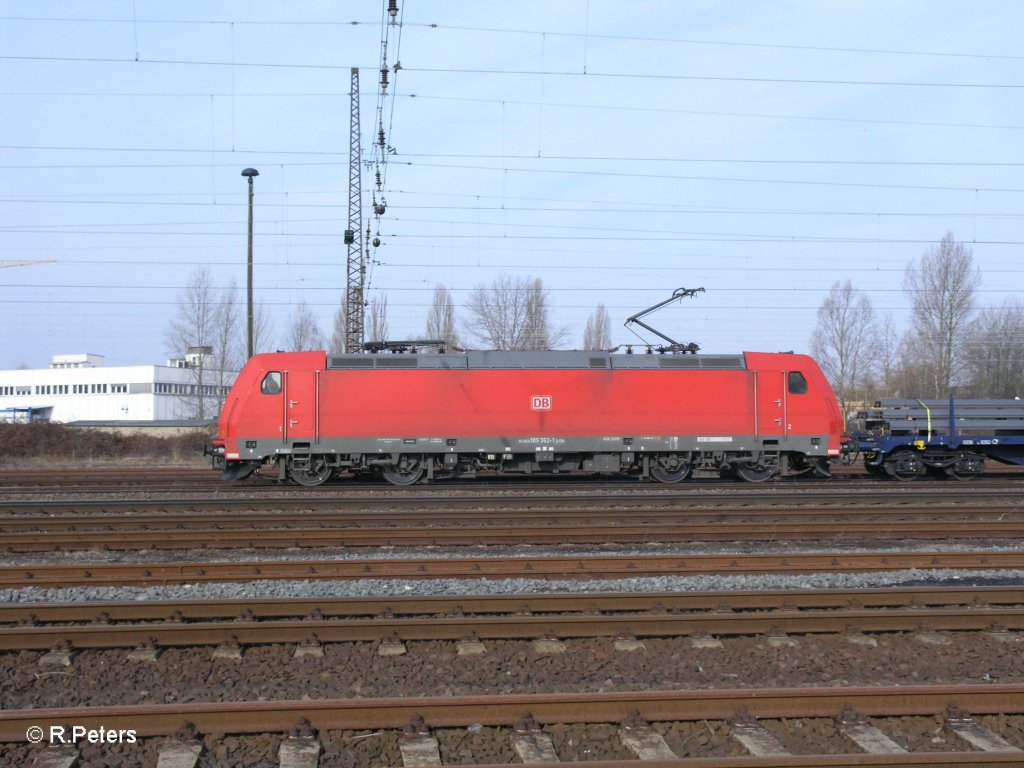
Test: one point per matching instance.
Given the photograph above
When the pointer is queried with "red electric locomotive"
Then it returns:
(406, 417)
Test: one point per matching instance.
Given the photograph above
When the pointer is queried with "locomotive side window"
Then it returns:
(271, 383)
(797, 383)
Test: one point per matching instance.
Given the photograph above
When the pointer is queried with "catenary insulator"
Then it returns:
(378, 179)
(380, 137)
(384, 78)
(393, 10)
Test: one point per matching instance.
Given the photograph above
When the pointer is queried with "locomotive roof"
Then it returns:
(555, 359)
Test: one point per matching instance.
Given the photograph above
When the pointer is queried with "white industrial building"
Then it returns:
(80, 388)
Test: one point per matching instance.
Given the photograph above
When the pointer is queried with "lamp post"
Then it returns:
(249, 173)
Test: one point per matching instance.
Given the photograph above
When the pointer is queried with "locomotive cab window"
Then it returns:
(797, 383)
(271, 383)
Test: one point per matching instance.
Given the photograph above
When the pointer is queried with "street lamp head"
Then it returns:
(250, 172)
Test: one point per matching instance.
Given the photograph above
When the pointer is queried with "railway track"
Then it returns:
(546, 567)
(103, 479)
(106, 476)
(167, 624)
(570, 492)
(249, 533)
(825, 626)
(741, 707)
(758, 601)
(424, 520)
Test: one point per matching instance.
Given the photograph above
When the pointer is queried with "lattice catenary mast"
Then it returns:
(356, 265)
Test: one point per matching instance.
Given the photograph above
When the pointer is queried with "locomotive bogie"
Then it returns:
(407, 469)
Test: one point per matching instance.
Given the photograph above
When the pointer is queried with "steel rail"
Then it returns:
(106, 477)
(523, 604)
(116, 538)
(496, 710)
(499, 567)
(184, 513)
(526, 498)
(904, 760)
(103, 478)
(510, 627)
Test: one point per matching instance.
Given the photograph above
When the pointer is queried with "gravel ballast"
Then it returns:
(265, 589)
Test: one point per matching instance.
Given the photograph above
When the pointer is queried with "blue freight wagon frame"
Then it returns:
(906, 439)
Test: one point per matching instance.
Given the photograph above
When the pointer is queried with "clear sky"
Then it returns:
(617, 150)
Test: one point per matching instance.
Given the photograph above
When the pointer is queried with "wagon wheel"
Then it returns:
(754, 473)
(670, 469)
(407, 471)
(954, 474)
(873, 469)
(965, 469)
(317, 473)
(905, 465)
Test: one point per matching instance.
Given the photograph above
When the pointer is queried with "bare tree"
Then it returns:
(228, 341)
(512, 313)
(941, 290)
(912, 376)
(202, 334)
(888, 356)
(377, 327)
(995, 351)
(338, 336)
(598, 332)
(845, 340)
(304, 333)
(441, 317)
(262, 328)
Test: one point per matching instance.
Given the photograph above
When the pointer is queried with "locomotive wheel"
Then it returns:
(754, 473)
(317, 473)
(669, 469)
(821, 469)
(407, 471)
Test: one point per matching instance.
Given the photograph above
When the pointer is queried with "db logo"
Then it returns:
(540, 403)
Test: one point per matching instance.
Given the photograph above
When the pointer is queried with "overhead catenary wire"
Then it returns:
(617, 107)
(381, 148)
(667, 76)
(432, 232)
(507, 156)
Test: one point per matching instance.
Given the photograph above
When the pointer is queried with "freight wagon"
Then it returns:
(907, 439)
